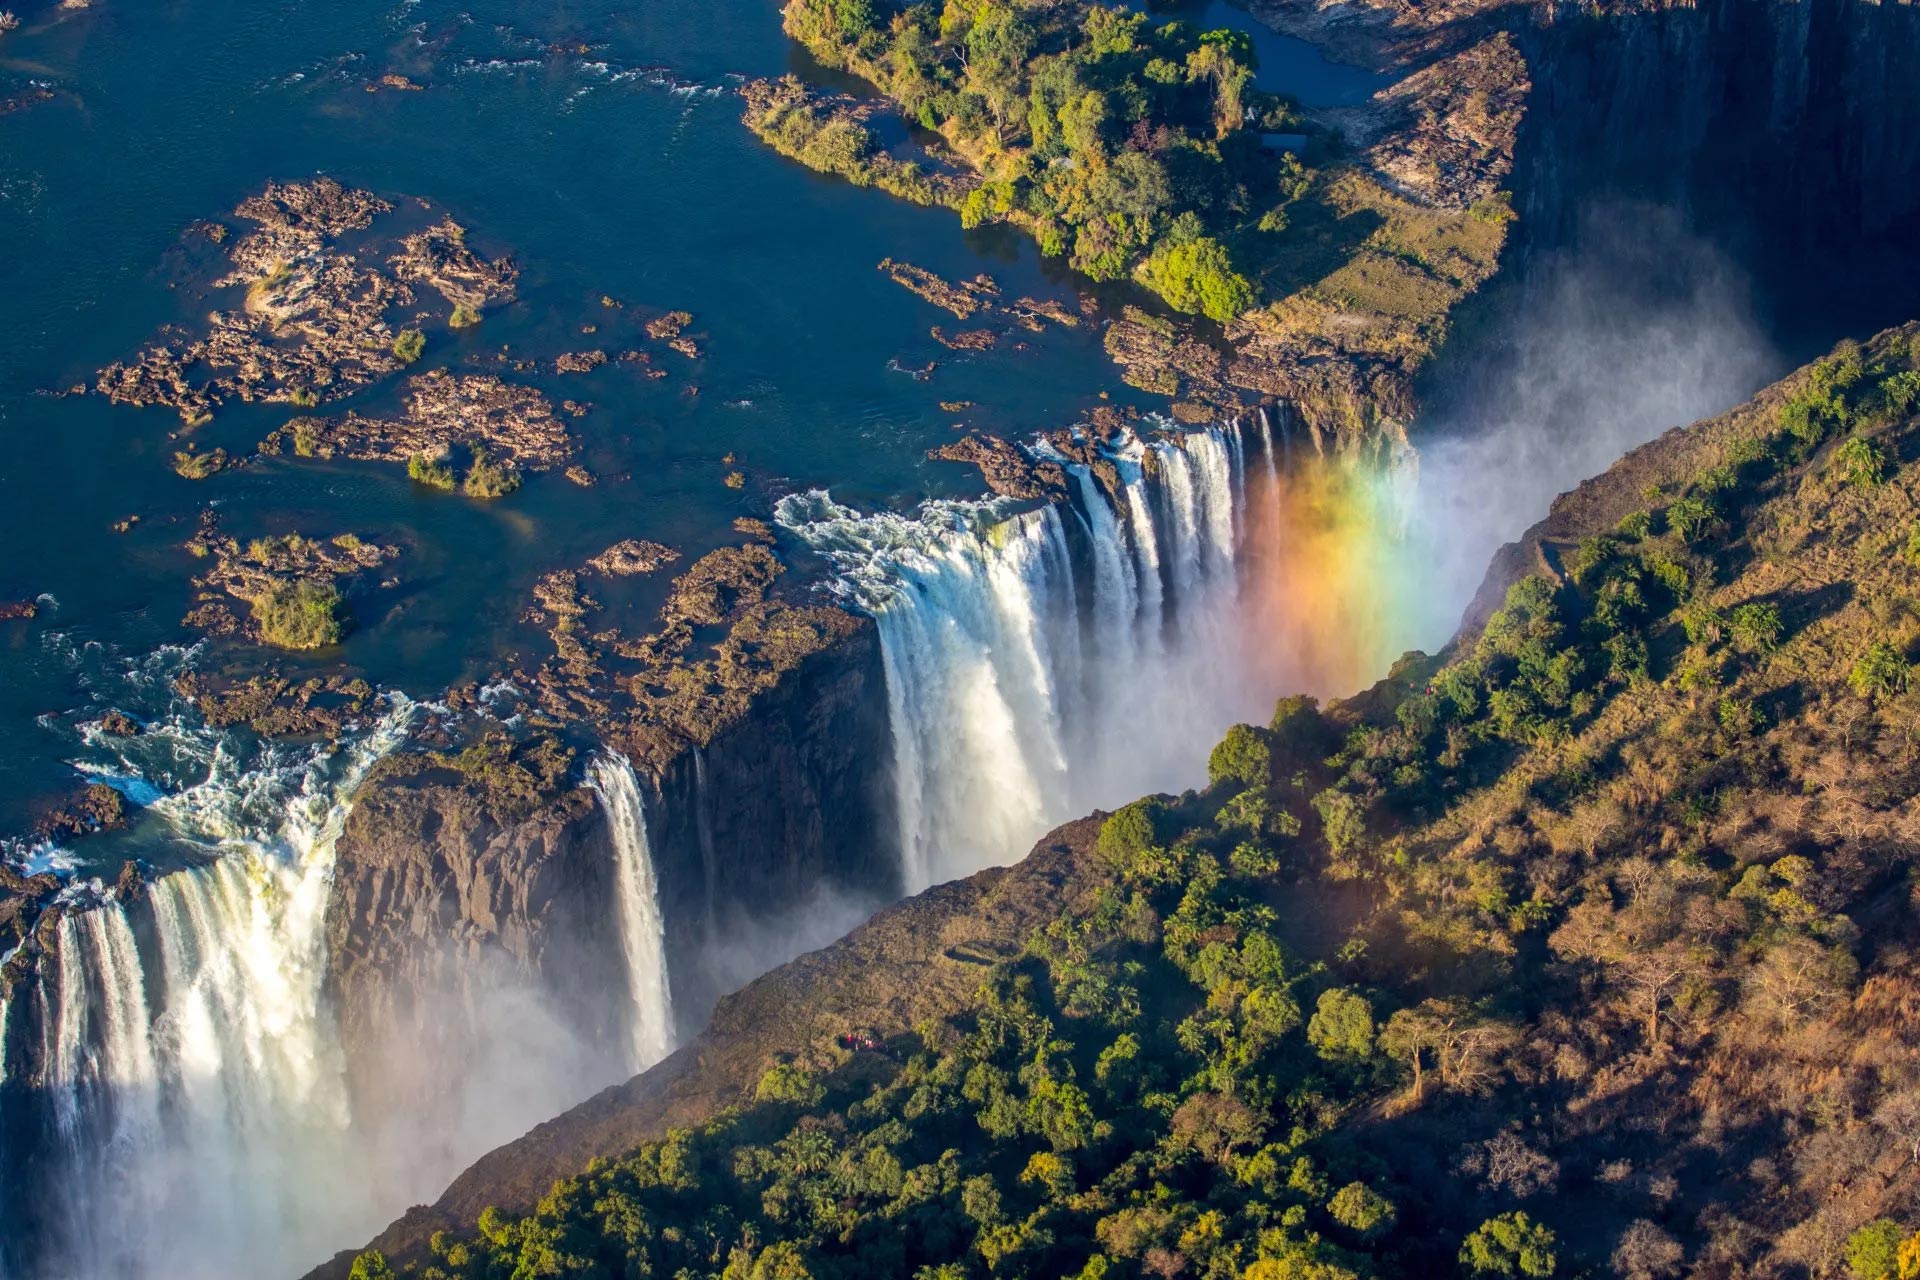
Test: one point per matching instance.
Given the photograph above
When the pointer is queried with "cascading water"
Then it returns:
(196, 1092)
(1028, 684)
(642, 931)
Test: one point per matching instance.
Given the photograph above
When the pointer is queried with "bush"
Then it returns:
(1881, 670)
(1510, 1245)
(489, 479)
(1361, 1210)
(1198, 276)
(1243, 757)
(300, 615)
(1873, 1251)
(1131, 831)
(409, 345)
(1860, 463)
(198, 466)
(463, 317)
(435, 475)
(1755, 627)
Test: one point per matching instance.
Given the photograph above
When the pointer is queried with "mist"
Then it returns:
(1638, 326)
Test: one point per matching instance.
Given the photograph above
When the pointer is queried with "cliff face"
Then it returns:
(789, 803)
(919, 959)
(439, 902)
(1793, 126)
(444, 899)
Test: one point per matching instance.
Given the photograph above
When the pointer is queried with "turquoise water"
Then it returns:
(617, 166)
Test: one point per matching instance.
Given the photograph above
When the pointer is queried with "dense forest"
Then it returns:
(1129, 146)
(1582, 948)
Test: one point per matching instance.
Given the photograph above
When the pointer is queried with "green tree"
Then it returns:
(1341, 1028)
(1511, 1244)
(371, 1265)
(1362, 1210)
(1198, 277)
(409, 345)
(1132, 829)
(1873, 1252)
(1881, 670)
(300, 615)
(1243, 756)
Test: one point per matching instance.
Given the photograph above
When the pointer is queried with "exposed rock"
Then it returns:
(635, 555)
(457, 879)
(962, 299)
(273, 706)
(314, 322)
(119, 723)
(1010, 470)
(10, 609)
(509, 422)
(966, 339)
(579, 361)
(96, 808)
(439, 258)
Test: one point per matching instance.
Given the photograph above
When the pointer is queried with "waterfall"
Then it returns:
(637, 901)
(1028, 683)
(197, 1090)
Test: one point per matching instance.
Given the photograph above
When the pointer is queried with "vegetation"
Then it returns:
(199, 466)
(409, 345)
(489, 479)
(300, 615)
(1535, 960)
(431, 472)
(463, 317)
(1127, 145)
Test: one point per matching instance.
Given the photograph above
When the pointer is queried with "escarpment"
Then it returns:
(459, 876)
(919, 959)
(443, 895)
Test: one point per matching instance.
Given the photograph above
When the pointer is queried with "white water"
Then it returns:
(642, 931)
(1021, 696)
(209, 1135)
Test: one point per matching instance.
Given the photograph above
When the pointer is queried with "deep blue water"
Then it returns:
(598, 179)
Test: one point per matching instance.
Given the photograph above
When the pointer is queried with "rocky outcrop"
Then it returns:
(449, 889)
(919, 959)
(785, 811)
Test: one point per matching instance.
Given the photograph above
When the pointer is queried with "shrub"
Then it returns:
(489, 479)
(1510, 1245)
(1132, 830)
(1881, 670)
(1913, 546)
(1861, 463)
(1755, 627)
(198, 466)
(1873, 1251)
(1243, 757)
(463, 317)
(1198, 276)
(1690, 517)
(435, 475)
(300, 615)
(1341, 1028)
(1361, 1210)
(410, 345)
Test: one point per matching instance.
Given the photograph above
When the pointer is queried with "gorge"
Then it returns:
(335, 975)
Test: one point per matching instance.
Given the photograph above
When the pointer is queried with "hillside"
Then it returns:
(1580, 948)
